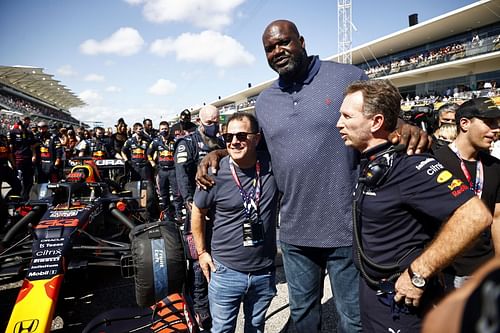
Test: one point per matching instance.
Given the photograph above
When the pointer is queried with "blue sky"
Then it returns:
(153, 58)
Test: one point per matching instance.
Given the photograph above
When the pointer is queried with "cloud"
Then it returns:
(208, 46)
(91, 97)
(134, 2)
(123, 42)
(162, 87)
(94, 78)
(66, 70)
(208, 14)
(108, 115)
(113, 89)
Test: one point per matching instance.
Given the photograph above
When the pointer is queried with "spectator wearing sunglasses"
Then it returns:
(240, 263)
(189, 151)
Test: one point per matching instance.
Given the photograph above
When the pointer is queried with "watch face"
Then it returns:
(418, 281)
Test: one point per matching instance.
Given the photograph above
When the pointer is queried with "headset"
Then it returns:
(372, 176)
(376, 171)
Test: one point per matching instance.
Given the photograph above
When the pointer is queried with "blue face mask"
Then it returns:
(164, 133)
(211, 130)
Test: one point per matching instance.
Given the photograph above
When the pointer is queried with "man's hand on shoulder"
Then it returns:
(210, 161)
(415, 139)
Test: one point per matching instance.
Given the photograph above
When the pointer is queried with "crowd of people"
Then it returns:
(451, 52)
(26, 107)
(384, 225)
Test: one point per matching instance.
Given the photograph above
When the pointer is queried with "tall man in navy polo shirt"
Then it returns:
(315, 172)
(400, 203)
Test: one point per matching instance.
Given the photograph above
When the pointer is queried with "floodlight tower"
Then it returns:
(344, 31)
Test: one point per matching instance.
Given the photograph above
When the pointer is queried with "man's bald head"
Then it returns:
(285, 49)
(209, 114)
(280, 25)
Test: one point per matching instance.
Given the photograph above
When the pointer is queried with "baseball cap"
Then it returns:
(42, 124)
(482, 107)
(185, 112)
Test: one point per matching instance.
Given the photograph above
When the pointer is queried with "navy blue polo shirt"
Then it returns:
(314, 169)
(227, 233)
(401, 216)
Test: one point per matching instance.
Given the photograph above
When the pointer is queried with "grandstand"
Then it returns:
(28, 91)
(454, 56)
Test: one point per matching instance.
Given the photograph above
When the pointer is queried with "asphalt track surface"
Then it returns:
(87, 293)
(94, 290)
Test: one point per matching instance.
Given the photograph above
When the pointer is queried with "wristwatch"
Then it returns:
(416, 279)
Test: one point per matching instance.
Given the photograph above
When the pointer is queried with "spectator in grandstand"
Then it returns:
(49, 154)
(22, 143)
(400, 203)
(240, 261)
(184, 126)
(316, 228)
(468, 158)
(120, 136)
(189, 151)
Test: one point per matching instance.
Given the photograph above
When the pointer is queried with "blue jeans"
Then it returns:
(304, 270)
(226, 290)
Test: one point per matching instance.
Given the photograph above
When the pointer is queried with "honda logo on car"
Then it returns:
(26, 326)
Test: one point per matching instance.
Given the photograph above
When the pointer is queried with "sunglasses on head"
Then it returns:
(240, 136)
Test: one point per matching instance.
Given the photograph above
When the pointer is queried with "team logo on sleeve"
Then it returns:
(444, 176)
(181, 148)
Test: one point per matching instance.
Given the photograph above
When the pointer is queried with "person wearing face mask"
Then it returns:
(98, 147)
(135, 152)
(188, 152)
(49, 153)
(184, 126)
(22, 144)
(161, 156)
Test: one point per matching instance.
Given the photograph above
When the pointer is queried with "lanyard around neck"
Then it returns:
(251, 199)
(477, 186)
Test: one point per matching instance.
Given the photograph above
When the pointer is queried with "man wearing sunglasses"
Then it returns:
(468, 158)
(239, 265)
